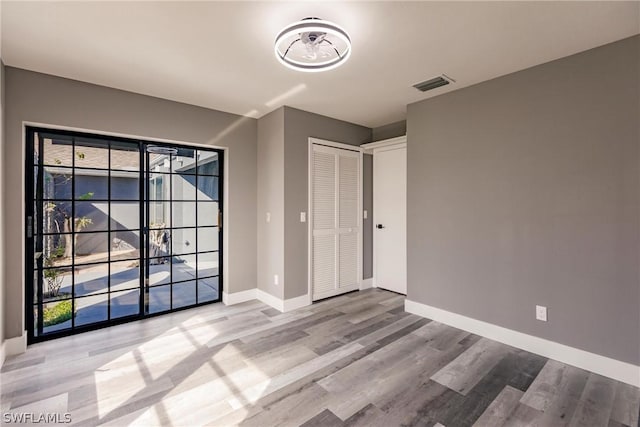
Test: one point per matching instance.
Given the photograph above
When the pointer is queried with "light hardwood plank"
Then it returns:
(556, 392)
(626, 405)
(357, 359)
(501, 408)
(596, 402)
(468, 369)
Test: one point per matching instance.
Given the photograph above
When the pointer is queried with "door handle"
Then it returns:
(29, 227)
(379, 226)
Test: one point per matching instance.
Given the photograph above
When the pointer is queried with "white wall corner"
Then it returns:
(238, 297)
(367, 283)
(296, 303)
(271, 300)
(286, 305)
(602, 365)
(13, 346)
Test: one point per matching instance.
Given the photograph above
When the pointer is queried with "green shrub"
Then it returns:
(58, 252)
(58, 313)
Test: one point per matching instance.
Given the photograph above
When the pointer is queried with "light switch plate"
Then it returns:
(303, 217)
(366, 214)
(541, 313)
(268, 218)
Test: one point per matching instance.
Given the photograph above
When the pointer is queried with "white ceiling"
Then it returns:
(220, 54)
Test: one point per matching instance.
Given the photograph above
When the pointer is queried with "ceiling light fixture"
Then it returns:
(313, 45)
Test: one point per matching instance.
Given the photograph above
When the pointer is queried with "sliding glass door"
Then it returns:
(117, 230)
(184, 235)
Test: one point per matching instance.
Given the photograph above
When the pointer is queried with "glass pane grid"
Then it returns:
(180, 201)
(103, 170)
(69, 298)
(191, 279)
(157, 227)
(193, 253)
(87, 181)
(181, 193)
(160, 172)
(89, 264)
(79, 297)
(124, 303)
(137, 230)
(90, 225)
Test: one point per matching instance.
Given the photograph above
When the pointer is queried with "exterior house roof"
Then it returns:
(60, 153)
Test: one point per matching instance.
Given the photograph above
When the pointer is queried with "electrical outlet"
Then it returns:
(303, 217)
(276, 281)
(541, 313)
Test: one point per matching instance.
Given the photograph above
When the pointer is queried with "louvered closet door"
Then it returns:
(335, 221)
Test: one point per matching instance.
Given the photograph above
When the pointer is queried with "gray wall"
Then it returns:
(391, 130)
(41, 98)
(524, 190)
(3, 250)
(270, 248)
(298, 127)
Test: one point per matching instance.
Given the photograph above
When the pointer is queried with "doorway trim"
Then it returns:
(359, 149)
(19, 344)
(371, 147)
(374, 148)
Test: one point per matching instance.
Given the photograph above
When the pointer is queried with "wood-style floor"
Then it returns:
(358, 359)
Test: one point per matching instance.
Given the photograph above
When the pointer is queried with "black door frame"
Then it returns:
(30, 241)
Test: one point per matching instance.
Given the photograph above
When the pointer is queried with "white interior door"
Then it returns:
(390, 217)
(334, 221)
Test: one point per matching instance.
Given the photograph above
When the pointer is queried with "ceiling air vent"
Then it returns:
(433, 83)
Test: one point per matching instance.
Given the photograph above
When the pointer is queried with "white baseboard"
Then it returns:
(269, 299)
(238, 297)
(283, 305)
(611, 368)
(297, 302)
(367, 283)
(275, 302)
(13, 346)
